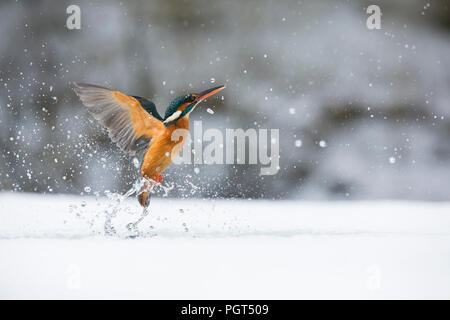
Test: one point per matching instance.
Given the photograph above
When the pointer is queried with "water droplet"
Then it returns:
(298, 143)
(322, 143)
(135, 162)
(210, 111)
(87, 189)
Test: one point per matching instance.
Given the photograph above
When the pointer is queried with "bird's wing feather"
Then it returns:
(128, 123)
(149, 107)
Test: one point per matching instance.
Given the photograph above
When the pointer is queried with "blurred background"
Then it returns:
(363, 114)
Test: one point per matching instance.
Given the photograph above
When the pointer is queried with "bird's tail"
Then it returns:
(145, 187)
(144, 199)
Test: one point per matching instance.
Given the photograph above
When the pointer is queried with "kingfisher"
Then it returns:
(135, 125)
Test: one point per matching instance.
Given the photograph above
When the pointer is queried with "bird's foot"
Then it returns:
(158, 177)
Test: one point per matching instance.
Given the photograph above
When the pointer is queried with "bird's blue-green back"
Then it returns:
(149, 107)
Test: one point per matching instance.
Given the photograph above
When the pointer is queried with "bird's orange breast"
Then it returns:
(164, 148)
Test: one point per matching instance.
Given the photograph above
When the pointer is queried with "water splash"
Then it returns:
(133, 226)
(144, 185)
(108, 218)
(111, 212)
(141, 185)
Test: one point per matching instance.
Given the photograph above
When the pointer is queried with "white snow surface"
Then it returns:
(54, 246)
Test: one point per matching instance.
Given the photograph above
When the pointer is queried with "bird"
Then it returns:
(135, 125)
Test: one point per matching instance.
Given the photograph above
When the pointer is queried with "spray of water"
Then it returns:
(141, 185)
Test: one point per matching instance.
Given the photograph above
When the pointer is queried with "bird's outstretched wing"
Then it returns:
(131, 121)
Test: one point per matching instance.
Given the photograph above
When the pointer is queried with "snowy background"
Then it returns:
(219, 249)
(362, 194)
(379, 99)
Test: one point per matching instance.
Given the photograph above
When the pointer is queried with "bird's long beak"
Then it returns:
(207, 93)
